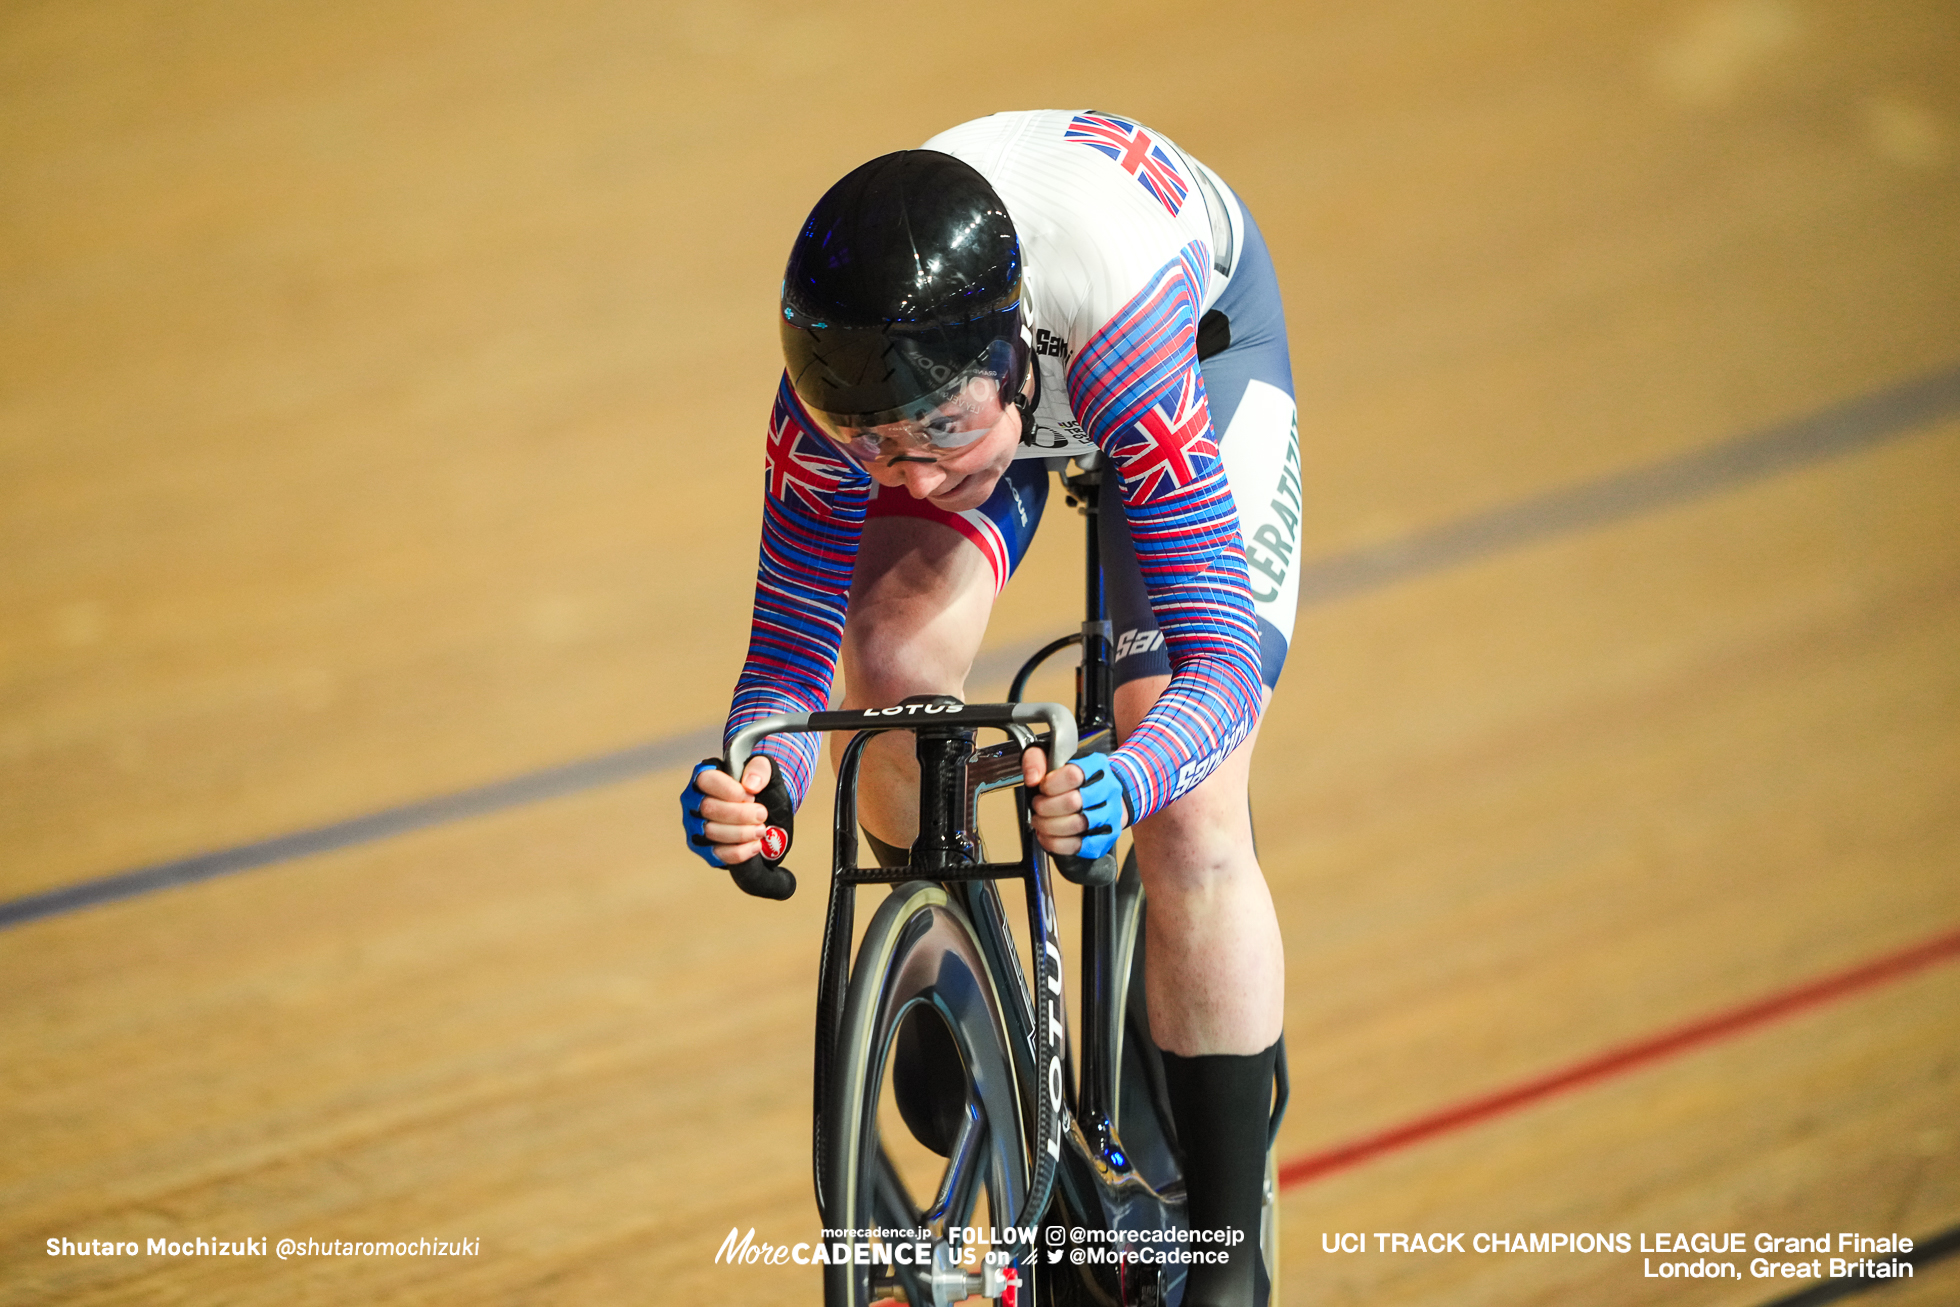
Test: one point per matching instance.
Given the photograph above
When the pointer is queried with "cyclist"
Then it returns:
(1028, 287)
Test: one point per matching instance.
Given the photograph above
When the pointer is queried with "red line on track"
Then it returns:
(1613, 1062)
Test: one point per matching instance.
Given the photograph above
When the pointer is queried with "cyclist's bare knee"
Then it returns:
(919, 602)
(1201, 843)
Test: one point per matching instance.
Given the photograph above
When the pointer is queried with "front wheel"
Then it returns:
(921, 995)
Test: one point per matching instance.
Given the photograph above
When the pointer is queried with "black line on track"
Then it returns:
(1924, 1253)
(1841, 429)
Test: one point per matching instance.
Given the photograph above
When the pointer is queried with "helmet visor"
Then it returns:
(951, 416)
(970, 412)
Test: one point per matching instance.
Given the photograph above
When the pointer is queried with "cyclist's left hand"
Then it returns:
(1074, 812)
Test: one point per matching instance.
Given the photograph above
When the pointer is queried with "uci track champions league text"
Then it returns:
(1669, 1255)
(1655, 1255)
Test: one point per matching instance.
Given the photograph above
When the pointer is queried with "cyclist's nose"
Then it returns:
(921, 479)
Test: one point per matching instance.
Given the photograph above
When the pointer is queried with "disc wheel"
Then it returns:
(920, 985)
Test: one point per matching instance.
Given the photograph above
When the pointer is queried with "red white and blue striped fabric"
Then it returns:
(813, 507)
(981, 530)
(1138, 391)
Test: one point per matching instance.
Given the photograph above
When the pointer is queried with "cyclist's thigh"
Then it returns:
(925, 582)
(1249, 388)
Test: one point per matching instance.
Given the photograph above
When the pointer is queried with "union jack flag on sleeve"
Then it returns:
(813, 507)
(1138, 391)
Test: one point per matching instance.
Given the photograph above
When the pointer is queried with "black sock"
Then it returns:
(1222, 1104)
(889, 855)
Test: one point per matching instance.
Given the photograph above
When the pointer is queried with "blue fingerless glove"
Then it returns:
(693, 822)
(1102, 804)
(776, 833)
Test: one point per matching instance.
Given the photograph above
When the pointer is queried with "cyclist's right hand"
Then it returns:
(723, 820)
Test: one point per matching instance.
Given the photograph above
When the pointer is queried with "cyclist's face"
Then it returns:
(952, 459)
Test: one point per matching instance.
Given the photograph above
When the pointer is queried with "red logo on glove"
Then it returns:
(775, 842)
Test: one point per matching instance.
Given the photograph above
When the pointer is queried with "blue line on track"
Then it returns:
(1856, 424)
(551, 782)
(1841, 429)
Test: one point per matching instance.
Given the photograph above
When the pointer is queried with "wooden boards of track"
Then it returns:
(382, 380)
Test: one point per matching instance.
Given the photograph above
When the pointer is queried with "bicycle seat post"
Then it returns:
(1095, 711)
(1094, 698)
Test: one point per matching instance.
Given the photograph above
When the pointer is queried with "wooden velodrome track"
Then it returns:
(380, 419)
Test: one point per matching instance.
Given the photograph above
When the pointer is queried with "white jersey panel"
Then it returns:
(1101, 205)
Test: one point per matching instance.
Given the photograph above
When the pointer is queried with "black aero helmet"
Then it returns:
(903, 285)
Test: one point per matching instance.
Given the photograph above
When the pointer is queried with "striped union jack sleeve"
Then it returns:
(1135, 386)
(813, 507)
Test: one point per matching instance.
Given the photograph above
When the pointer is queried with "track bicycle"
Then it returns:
(1079, 1172)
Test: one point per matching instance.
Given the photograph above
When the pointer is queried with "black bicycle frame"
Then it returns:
(1082, 1174)
(953, 776)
